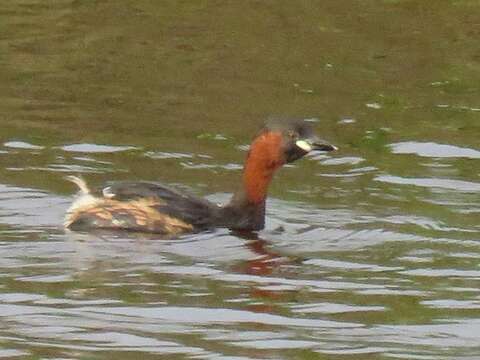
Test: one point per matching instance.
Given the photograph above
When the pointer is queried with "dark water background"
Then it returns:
(379, 253)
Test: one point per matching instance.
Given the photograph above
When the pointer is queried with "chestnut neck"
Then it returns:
(246, 210)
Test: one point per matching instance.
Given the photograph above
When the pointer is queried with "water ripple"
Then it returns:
(22, 145)
(434, 150)
(448, 184)
(195, 315)
(95, 148)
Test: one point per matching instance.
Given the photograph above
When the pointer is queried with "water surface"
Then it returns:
(371, 252)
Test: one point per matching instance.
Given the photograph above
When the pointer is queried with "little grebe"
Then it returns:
(154, 208)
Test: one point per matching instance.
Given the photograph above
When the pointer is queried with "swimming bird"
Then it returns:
(155, 208)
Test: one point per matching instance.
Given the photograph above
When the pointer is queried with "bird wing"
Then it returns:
(195, 211)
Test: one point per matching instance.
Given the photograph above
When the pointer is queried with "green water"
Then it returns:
(371, 252)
